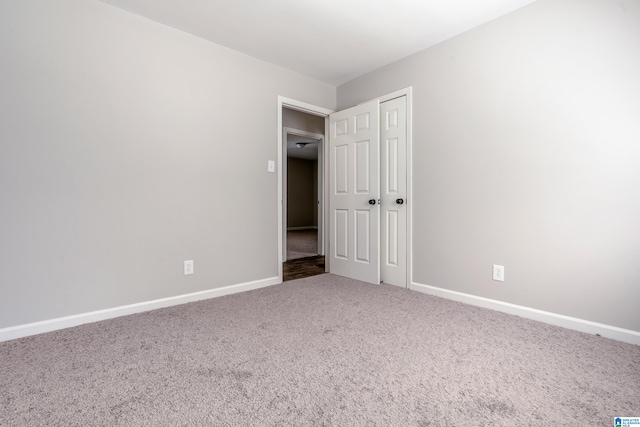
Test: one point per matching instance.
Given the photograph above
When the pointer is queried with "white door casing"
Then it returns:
(406, 96)
(354, 192)
(284, 102)
(393, 192)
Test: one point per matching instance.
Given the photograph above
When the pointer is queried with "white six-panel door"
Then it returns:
(393, 192)
(354, 190)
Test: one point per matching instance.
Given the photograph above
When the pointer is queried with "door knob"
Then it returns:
(372, 201)
(399, 201)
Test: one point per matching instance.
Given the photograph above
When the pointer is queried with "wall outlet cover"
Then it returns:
(188, 267)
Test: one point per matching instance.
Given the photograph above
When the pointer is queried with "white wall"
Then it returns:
(124, 151)
(527, 154)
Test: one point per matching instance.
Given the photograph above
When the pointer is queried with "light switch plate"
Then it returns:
(271, 166)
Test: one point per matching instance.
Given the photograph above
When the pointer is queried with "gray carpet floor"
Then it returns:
(302, 243)
(324, 350)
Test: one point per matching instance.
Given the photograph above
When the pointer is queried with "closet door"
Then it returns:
(354, 192)
(393, 192)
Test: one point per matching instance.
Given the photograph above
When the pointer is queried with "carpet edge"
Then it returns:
(34, 328)
(613, 332)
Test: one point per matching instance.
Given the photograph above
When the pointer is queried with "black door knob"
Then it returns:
(372, 201)
(399, 201)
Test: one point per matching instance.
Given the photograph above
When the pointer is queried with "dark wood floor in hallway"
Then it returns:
(303, 267)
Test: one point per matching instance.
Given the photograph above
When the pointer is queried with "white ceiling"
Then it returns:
(332, 41)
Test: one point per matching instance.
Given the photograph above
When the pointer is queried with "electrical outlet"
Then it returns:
(188, 267)
(498, 272)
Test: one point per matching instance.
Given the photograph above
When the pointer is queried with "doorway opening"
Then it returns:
(302, 186)
(304, 242)
(303, 173)
(397, 241)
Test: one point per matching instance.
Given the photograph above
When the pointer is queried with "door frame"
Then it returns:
(284, 102)
(324, 112)
(286, 131)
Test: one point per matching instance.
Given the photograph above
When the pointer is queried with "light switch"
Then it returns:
(271, 166)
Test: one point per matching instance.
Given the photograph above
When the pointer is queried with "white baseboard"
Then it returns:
(28, 329)
(309, 227)
(613, 332)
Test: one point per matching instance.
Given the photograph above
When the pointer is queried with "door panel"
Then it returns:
(363, 238)
(363, 169)
(391, 163)
(355, 180)
(341, 154)
(393, 230)
(341, 240)
(391, 250)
